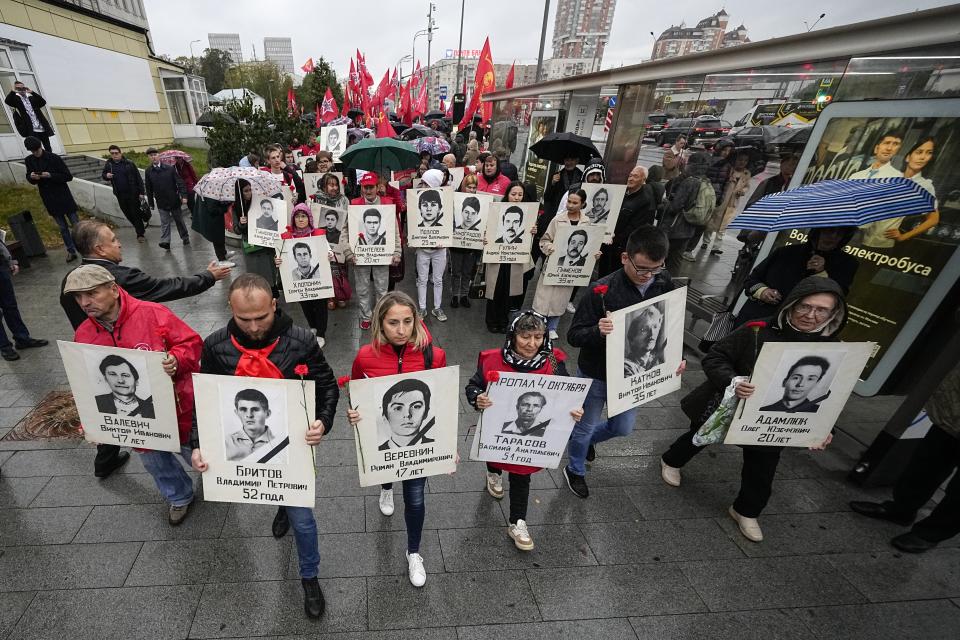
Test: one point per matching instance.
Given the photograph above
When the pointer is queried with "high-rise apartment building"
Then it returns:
(581, 30)
(280, 52)
(709, 34)
(228, 42)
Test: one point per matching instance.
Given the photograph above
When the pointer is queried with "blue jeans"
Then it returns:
(65, 230)
(414, 510)
(592, 428)
(553, 322)
(304, 526)
(10, 312)
(169, 475)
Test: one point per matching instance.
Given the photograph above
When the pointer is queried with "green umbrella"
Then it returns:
(381, 155)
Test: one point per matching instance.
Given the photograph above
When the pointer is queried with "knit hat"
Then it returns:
(595, 165)
(432, 178)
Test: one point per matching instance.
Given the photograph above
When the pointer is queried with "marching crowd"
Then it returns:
(667, 212)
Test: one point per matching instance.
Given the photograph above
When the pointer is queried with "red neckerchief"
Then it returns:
(255, 363)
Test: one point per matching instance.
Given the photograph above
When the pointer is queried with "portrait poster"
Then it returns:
(252, 436)
(408, 425)
(801, 390)
(332, 221)
(645, 350)
(372, 233)
(907, 266)
(312, 182)
(305, 270)
(430, 217)
(334, 140)
(302, 161)
(456, 177)
(266, 219)
(537, 170)
(470, 212)
(123, 396)
(529, 422)
(508, 232)
(603, 205)
(574, 254)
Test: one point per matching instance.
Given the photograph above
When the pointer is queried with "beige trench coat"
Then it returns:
(551, 300)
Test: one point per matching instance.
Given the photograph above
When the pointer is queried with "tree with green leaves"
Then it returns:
(263, 78)
(252, 129)
(213, 66)
(315, 84)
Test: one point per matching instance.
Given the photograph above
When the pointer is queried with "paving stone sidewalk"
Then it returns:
(83, 558)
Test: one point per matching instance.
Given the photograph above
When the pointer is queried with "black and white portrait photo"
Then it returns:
(511, 226)
(334, 140)
(306, 266)
(430, 206)
(469, 218)
(430, 223)
(804, 386)
(405, 411)
(603, 205)
(575, 255)
(646, 340)
(373, 233)
(257, 432)
(528, 422)
(332, 225)
(267, 217)
(599, 210)
(123, 379)
(508, 236)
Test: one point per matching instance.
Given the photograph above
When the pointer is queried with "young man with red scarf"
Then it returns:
(260, 341)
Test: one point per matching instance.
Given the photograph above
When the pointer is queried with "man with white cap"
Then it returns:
(117, 319)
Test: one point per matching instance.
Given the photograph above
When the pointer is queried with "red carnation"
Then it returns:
(301, 370)
(601, 289)
(342, 381)
(492, 376)
(757, 324)
(360, 235)
(319, 232)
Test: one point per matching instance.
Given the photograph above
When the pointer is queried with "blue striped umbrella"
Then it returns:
(837, 203)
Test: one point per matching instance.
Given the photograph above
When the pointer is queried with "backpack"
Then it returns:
(703, 204)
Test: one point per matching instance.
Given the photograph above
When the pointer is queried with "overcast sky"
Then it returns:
(384, 30)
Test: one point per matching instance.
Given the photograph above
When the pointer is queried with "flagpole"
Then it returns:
(429, 43)
(543, 39)
(459, 48)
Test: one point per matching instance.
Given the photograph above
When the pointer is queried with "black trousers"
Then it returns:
(130, 205)
(106, 455)
(44, 139)
(756, 475)
(316, 314)
(935, 459)
(519, 493)
(677, 247)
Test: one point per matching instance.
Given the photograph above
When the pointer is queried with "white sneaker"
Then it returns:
(521, 537)
(495, 485)
(689, 257)
(386, 502)
(554, 335)
(749, 527)
(418, 575)
(321, 342)
(439, 314)
(571, 308)
(670, 475)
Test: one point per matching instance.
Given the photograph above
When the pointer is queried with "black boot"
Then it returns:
(313, 602)
(465, 302)
(281, 523)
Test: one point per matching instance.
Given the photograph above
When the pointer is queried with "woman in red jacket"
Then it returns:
(527, 350)
(399, 343)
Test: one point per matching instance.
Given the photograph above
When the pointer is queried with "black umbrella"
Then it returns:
(434, 115)
(399, 127)
(558, 146)
(354, 112)
(419, 131)
(212, 118)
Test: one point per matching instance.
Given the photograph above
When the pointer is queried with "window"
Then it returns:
(13, 63)
(177, 99)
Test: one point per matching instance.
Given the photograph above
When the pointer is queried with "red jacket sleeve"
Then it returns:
(439, 358)
(183, 343)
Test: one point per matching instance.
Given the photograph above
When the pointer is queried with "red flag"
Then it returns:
(362, 69)
(406, 109)
(443, 106)
(415, 78)
(308, 66)
(383, 89)
(354, 78)
(449, 113)
(329, 110)
(509, 83)
(384, 128)
(291, 101)
(484, 82)
(316, 119)
(421, 108)
(346, 99)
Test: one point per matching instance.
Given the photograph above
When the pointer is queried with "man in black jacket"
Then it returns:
(124, 177)
(51, 175)
(641, 277)
(639, 208)
(98, 244)
(166, 190)
(28, 117)
(240, 349)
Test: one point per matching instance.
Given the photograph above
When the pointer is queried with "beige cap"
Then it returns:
(87, 277)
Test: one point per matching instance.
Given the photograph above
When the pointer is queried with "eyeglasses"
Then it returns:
(645, 272)
(818, 312)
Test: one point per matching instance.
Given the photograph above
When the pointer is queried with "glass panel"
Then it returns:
(6, 86)
(20, 60)
(178, 107)
(196, 106)
(4, 59)
(173, 84)
(626, 138)
(902, 76)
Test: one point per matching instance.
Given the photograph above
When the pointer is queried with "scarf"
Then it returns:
(514, 359)
(254, 354)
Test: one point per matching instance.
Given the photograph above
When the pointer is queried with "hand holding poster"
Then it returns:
(645, 350)
(372, 233)
(408, 425)
(334, 140)
(430, 215)
(508, 232)
(574, 255)
(603, 205)
(123, 396)
(252, 436)
(263, 220)
(470, 213)
(529, 422)
(305, 269)
(801, 390)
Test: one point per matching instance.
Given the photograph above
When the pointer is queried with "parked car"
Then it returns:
(760, 138)
(702, 131)
(653, 125)
(673, 129)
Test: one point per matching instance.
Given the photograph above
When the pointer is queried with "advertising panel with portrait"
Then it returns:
(603, 205)
(430, 217)
(305, 269)
(529, 422)
(266, 219)
(334, 140)
(470, 213)
(645, 350)
(536, 170)
(574, 255)
(373, 231)
(123, 396)
(800, 391)
(252, 435)
(508, 232)
(408, 425)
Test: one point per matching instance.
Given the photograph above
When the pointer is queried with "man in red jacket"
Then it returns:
(116, 319)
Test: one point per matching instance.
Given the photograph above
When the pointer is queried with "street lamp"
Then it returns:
(193, 58)
(400, 63)
(810, 27)
(273, 108)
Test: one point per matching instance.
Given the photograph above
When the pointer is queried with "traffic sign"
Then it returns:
(443, 92)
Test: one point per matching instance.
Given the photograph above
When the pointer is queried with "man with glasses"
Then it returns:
(641, 277)
(128, 188)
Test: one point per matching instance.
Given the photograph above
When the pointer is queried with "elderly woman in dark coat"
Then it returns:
(815, 311)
